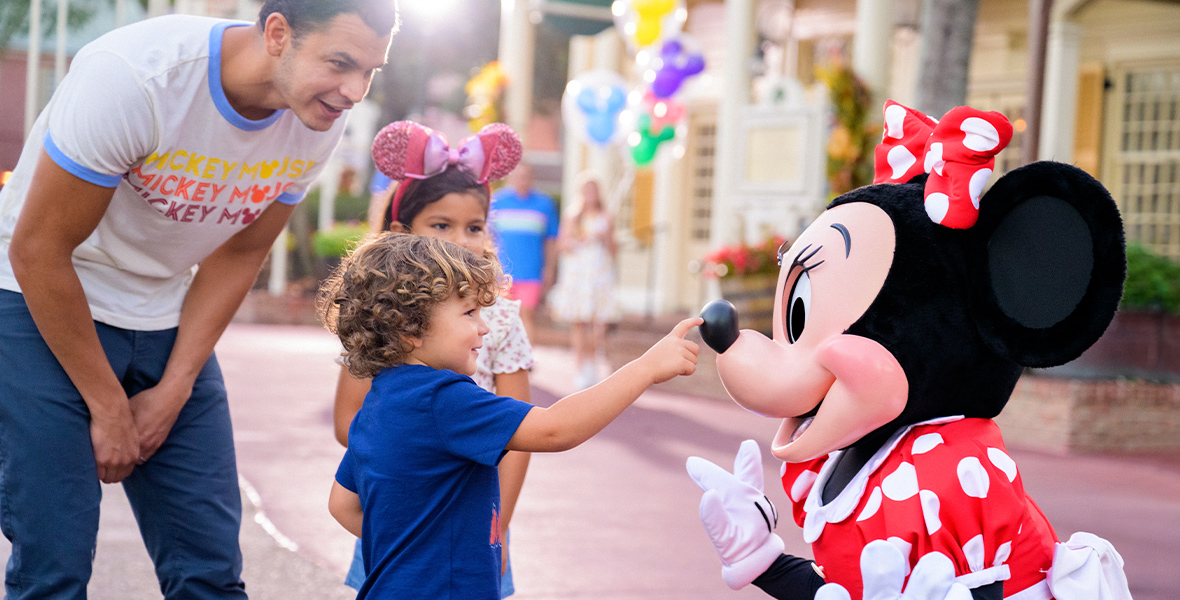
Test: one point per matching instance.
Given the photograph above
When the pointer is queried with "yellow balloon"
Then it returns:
(650, 12)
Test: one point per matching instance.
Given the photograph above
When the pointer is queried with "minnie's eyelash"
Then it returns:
(800, 260)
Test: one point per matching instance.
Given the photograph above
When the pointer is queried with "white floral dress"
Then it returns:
(585, 289)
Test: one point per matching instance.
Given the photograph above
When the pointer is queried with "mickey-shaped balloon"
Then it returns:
(906, 313)
(646, 140)
(602, 112)
(675, 64)
(649, 13)
(592, 106)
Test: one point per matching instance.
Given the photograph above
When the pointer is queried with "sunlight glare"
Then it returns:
(429, 11)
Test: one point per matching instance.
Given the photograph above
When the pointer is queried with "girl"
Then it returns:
(584, 294)
(449, 200)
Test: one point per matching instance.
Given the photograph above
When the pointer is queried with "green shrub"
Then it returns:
(1153, 282)
(337, 241)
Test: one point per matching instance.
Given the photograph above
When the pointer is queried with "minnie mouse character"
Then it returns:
(906, 313)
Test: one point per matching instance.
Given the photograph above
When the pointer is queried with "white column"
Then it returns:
(870, 47)
(605, 56)
(329, 182)
(247, 11)
(33, 66)
(59, 57)
(277, 284)
(1059, 105)
(517, 37)
(120, 13)
(667, 238)
(574, 151)
(735, 95)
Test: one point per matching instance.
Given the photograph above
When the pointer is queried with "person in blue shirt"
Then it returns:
(418, 483)
(525, 224)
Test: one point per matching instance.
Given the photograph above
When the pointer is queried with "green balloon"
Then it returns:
(649, 142)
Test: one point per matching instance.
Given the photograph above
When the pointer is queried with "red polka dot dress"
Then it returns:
(946, 485)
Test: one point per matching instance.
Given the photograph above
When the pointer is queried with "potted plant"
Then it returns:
(748, 277)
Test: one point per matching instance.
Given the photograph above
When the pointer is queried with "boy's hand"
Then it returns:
(673, 355)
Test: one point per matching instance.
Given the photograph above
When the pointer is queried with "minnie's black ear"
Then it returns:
(1047, 264)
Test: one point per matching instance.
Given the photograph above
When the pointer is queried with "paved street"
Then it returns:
(613, 519)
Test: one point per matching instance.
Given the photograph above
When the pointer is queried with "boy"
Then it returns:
(423, 449)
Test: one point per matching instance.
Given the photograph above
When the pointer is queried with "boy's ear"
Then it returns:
(1047, 263)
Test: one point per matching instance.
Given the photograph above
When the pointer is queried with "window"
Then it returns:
(1143, 162)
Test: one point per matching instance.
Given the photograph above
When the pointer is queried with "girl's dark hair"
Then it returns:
(421, 193)
(306, 16)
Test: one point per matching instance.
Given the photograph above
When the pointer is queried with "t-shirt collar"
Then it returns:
(218, 93)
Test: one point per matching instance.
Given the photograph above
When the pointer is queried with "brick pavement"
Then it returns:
(614, 518)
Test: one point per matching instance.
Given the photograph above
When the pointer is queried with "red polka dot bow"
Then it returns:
(958, 152)
(406, 150)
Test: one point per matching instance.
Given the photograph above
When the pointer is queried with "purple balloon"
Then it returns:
(677, 64)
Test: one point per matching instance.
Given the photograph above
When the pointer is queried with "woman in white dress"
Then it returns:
(584, 293)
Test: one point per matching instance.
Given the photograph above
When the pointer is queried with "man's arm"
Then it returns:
(217, 290)
(46, 234)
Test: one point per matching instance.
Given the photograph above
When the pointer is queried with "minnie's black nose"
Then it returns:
(720, 329)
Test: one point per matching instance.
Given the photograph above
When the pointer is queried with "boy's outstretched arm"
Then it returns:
(345, 506)
(577, 417)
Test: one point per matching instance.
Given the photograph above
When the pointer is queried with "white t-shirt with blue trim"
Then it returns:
(142, 110)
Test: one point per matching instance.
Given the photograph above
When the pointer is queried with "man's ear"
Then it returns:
(1047, 264)
(277, 34)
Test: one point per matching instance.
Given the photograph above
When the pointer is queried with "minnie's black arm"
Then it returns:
(790, 578)
(794, 578)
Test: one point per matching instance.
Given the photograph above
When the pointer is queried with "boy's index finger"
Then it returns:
(681, 329)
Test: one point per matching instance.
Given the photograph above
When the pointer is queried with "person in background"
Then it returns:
(171, 143)
(584, 295)
(452, 205)
(525, 224)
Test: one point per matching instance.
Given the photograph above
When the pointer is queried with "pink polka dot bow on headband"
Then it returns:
(406, 150)
(958, 152)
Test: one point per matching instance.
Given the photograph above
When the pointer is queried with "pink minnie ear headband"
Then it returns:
(406, 150)
(958, 152)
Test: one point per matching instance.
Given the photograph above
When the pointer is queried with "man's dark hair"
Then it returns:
(306, 16)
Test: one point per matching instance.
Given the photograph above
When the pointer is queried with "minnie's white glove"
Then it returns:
(738, 516)
(882, 569)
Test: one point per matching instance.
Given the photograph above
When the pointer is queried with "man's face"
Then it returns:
(326, 71)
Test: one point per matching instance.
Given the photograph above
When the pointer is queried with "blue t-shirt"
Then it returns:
(422, 456)
(521, 226)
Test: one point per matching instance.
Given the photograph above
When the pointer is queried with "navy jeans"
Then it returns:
(185, 498)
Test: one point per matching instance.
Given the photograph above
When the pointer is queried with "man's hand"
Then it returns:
(673, 355)
(116, 444)
(155, 410)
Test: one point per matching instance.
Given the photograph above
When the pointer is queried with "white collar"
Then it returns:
(841, 507)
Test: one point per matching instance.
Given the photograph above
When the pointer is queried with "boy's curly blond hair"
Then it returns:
(382, 294)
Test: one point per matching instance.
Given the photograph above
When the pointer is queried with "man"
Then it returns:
(172, 142)
(525, 224)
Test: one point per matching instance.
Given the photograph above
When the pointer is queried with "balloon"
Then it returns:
(644, 22)
(676, 62)
(592, 104)
(645, 142)
(663, 112)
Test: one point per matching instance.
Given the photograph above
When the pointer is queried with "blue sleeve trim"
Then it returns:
(77, 170)
(289, 199)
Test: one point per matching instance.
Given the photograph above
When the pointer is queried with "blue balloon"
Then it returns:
(601, 108)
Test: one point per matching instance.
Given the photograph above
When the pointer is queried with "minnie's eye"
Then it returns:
(797, 306)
